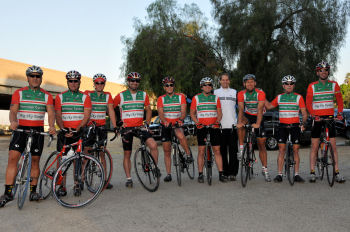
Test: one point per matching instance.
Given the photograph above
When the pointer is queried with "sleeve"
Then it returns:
(183, 99)
(58, 103)
(262, 96)
(159, 102)
(275, 102)
(194, 103)
(301, 102)
(116, 101)
(240, 97)
(87, 103)
(110, 100)
(218, 103)
(15, 98)
(309, 97)
(339, 98)
(147, 100)
(49, 99)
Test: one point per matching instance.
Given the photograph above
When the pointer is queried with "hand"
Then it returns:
(316, 118)
(256, 126)
(116, 130)
(302, 128)
(14, 125)
(199, 125)
(52, 130)
(166, 124)
(340, 117)
(70, 134)
(239, 125)
(120, 124)
(180, 122)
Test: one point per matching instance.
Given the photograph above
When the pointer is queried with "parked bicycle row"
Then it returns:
(89, 163)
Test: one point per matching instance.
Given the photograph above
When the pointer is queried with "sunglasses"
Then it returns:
(99, 83)
(324, 70)
(211, 85)
(289, 83)
(73, 81)
(35, 76)
(169, 85)
(135, 80)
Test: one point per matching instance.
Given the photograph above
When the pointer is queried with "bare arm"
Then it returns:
(87, 112)
(13, 116)
(268, 105)
(161, 115)
(304, 114)
(240, 112)
(148, 114)
(59, 120)
(111, 114)
(261, 105)
(193, 115)
(219, 117)
(183, 111)
(51, 118)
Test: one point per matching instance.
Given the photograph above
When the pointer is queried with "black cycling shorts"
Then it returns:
(127, 138)
(260, 132)
(19, 140)
(102, 136)
(215, 134)
(283, 133)
(317, 128)
(165, 134)
(63, 140)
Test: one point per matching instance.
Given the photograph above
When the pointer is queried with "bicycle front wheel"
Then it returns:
(23, 178)
(319, 160)
(46, 176)
(190, 167)
(105, 159)
(177, 162)
(146, 170)
(69, 176)
(245, 169)
(208, 163)
(330, 164)
(290, 165)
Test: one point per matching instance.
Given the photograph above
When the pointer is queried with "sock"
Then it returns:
(312, 172)
(296, 174)
(8, 189)
(33, 188)
(200, 173)
(128, 178)
(241, 147)
(336, 171)
(280, 174)
(221, 173)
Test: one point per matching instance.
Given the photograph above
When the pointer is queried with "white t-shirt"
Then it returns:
(228, 106)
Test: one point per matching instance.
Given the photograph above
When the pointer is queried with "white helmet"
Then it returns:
(34, 69)
(288, 78)
(206, 80)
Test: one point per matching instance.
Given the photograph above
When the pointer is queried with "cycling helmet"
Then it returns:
(322, 64)
(133, 75)
(99, 77)
(288, 78)
(34, 69)
(206, 80)
(168, 80)
(73, 75)
(249, 76)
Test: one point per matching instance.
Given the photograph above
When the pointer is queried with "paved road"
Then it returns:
(193, 207)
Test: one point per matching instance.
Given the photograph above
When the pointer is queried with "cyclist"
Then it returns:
(27, 111)
(73, 109)
(320, 104)
(172, 109)
(132, 103)
(102, 102)
(289, 104)
(206, 110)
(251, 103)
(228, 139)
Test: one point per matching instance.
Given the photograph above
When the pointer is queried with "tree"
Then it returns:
(174, 42)
(274, 38)
(345, 91)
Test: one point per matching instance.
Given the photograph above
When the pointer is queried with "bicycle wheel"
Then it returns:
(177, 162)
(330, 164)
(245, 169)
(190, 167)
(46, 176)
(208, 155)
(319, 164)
(290, 165)
(105, 159)
(69, 175)
(23, 178)
(146, 170)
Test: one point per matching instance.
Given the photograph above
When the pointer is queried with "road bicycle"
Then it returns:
(248, 157)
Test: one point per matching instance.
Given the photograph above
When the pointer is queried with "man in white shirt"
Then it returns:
(229, 134)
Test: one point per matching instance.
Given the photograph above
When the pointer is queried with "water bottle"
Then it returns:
(69, 154)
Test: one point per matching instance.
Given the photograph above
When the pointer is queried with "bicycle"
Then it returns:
(24, 167)
(248, 157)
(101, 153)
(146, 168)
(325, 160)
(71, 174)
(179, 161)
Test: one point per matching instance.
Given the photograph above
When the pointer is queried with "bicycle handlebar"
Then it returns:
(31, 131)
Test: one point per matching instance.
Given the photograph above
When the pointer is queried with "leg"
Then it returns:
(127, 163)
(11, 170)
(296, 157)
(333, 142)
(151, 143)
(224, 143)
(183, 141)
(262, 151)
(314, 148)
(280, 159)
(218, 157)
(233, 149)
(35, 170)
(167, 156)
(200, 158)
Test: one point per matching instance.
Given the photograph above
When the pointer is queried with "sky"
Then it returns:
(85, 35)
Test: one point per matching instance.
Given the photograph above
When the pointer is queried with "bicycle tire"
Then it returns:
(319, 163)
(208, 163)
(330, 165)
(146, 170)
(72, 200)
(109, 166)
(46, 176)
(290, 165)
(177, 162)
(23, 179)
(245, 169)
(190, 167)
